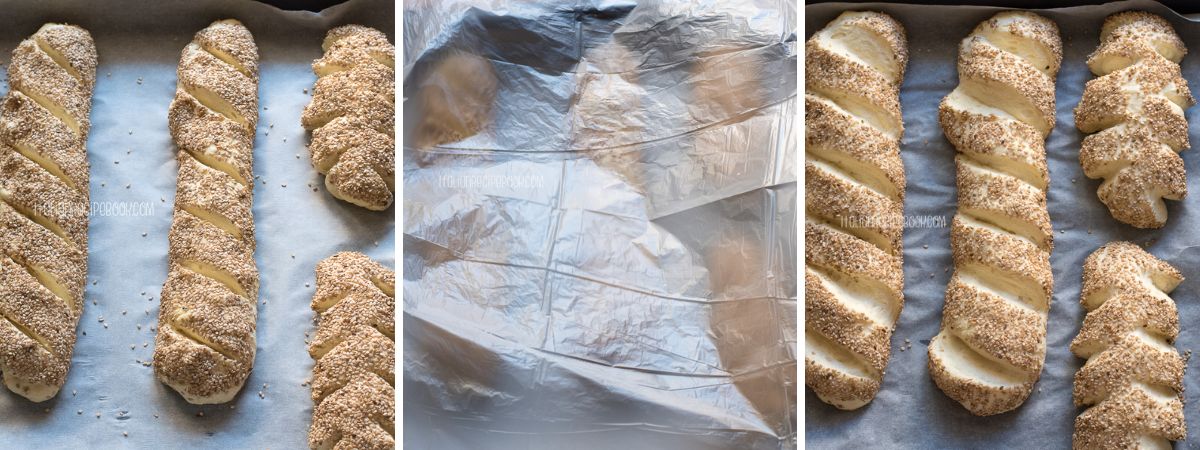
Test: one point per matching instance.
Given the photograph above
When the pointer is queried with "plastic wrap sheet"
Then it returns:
(910, 411)
(132, 190)
(604, 255)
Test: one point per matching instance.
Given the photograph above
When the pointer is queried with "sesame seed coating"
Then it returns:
(355, 352)
(352, 117)
(992, 344)
(832, 134)
(1136, 108)
(1132, 382)
(854, 196)
(44, 204)
(205, 345)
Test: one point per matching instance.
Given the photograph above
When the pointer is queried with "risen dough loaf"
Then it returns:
(454, 99)
(854, 182)
(206, 322)
(352, 117)
(1132, 381)
(1136, 110)
(44, 207)
(355, 350)
(992, 344)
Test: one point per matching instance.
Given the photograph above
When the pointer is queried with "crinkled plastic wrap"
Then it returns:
(600, 225)
(910, 411)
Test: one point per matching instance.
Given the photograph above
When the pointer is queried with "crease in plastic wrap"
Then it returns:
(600, 225)
(910, 411)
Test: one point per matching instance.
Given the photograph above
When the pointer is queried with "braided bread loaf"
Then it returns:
(205, 345)
(1136, 109)
(1133, 377)
(355, 350)
(992, 343)
(853, 279)
(44, 204)
(352, 116)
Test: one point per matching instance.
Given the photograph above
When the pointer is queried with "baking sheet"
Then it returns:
(132, 190)
(910, 411)
(610, 262)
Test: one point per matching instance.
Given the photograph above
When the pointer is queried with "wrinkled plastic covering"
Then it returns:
(600, 225)
(133, 177)
(910, 411)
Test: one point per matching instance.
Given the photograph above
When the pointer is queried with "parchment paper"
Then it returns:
(132, 190)
(910, 411)
(609, 263)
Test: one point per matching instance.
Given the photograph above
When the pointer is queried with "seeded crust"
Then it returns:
(44, 204)
(832, 134)
(1133, 378)
(982, 62)
(205, 345)
(355, 352)
(1136, 108)
(855, 202)
(998, 298)
(352, 117)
